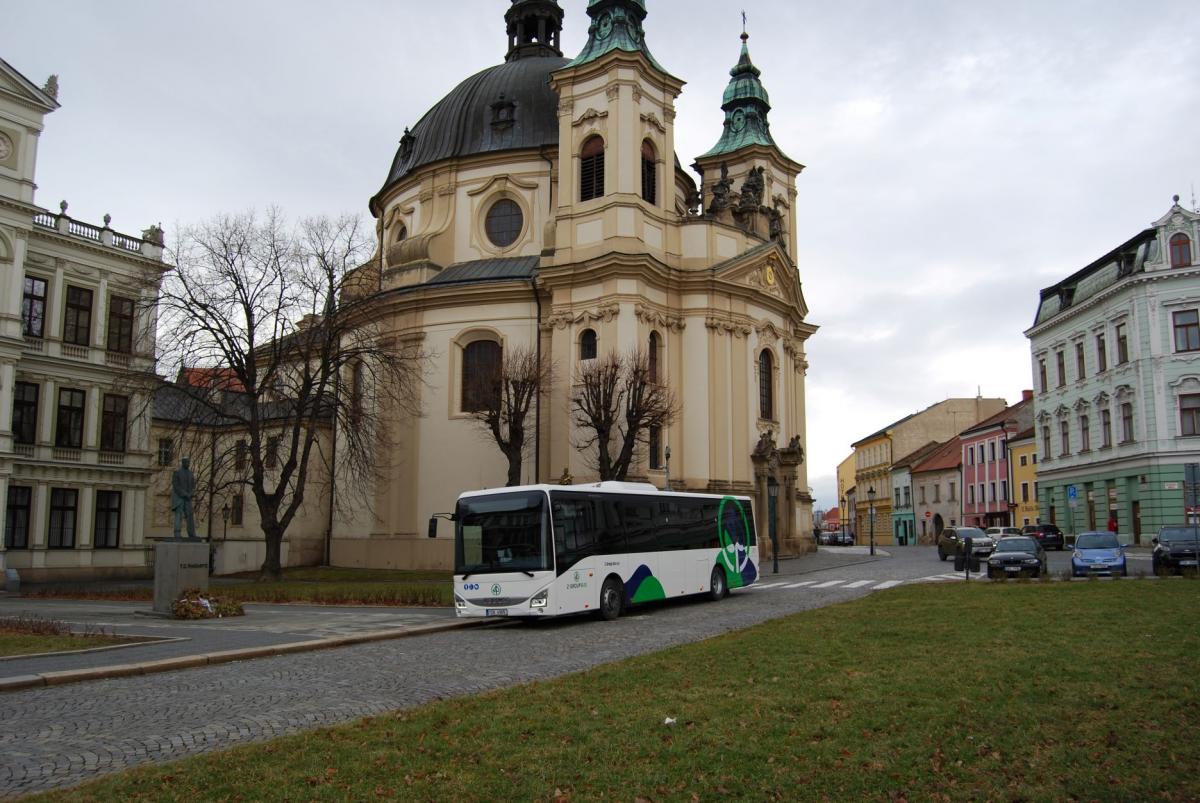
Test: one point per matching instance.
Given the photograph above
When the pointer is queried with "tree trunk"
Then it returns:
(271, 568)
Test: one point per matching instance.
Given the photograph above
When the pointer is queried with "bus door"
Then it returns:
(578, 523)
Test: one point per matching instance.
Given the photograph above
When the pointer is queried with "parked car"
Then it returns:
(950, 542)
(996, 533)
(1098, 552)
(1048, 535)
(826, 537)
(843, 539)
(1176, 549)
(1016, 555)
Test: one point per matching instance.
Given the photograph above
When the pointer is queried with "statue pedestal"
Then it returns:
(178, 566)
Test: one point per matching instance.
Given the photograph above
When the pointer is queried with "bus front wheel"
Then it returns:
(612, 595)
(718, 586)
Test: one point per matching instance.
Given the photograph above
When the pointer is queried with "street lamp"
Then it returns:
(224, 535)
(667, 467)
(773, 493)
(843, 516)
(871, 514)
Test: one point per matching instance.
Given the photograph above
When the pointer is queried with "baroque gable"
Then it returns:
(768, 270)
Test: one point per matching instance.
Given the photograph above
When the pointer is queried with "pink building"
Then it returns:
(986, 480)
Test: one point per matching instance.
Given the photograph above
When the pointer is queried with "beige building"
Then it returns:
(540, 204)
(875, 453)
(76, 324)
(845, 492)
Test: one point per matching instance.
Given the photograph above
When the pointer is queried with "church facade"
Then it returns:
(540, 205)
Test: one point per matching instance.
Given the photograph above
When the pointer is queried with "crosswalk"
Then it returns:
(866, 585)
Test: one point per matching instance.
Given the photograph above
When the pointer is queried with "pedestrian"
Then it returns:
(1112, 522)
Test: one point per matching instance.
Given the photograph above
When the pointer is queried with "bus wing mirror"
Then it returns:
(433, 526)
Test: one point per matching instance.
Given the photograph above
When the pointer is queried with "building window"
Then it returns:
(16, 519)
(1189, 414)
(970, 455)
(1101, 355)
(992, 492)
(1046, 443)
(69, 434)
(992, 451)
(766, 397)
(922, 494)
(897, 492)
(1064, 431)
(358, 382)
(166, 451)
(108, 519)
(970, 494)
(271, 460)
(62, 518)
(652, 357)
(1060, 361)
(655, 447)
(1105, 428)
(480, 375)
(1127, 423)
(24, 414)
(120, 324)
(937, 492)
(1024, 460)
(504, 222)
(239, 455)
(1181, 251)
(1122, 345)
(649, 170)
(113, 423)
(907, 496)
(1044, 384)
(235, 512)
(952, 490)
(982, 498)
(1080, 364)
(587, 344)
(1085, 435)
(33, 308)
(591, 169)
(1024, 492)
(1187, 331)
(78, 323)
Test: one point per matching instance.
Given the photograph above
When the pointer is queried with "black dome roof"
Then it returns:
(507, 107)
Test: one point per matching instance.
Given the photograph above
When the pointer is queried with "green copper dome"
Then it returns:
(746, 105)
(616, 25)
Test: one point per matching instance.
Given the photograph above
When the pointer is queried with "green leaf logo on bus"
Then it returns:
(733, 527)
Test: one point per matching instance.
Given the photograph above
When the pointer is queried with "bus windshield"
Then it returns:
(502, 533)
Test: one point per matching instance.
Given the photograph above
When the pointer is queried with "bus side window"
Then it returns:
(611, 540)
(669, 526)
(710, 537)
(638, 517)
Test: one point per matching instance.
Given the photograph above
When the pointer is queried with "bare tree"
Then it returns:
(503, 401)
(616, 403)
(258, 304)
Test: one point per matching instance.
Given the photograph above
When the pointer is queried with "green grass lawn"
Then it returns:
(319, 585)
(30, 644)
(1048, 691)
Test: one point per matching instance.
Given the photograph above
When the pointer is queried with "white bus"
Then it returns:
(549, 550)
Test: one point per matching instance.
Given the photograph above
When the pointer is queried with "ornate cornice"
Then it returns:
(565, 318)
(657, 317)
(728, 326)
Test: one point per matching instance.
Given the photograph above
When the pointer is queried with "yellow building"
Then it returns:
(1022, 465)
(845, 484)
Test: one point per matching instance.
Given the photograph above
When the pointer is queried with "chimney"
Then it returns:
(1027, 395)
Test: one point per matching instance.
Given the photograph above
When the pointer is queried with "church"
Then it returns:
(541, 205)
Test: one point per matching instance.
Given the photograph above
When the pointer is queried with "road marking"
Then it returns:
(771, 585)
(828, 584)
(889, 584)
(859, 583)
(798, 585)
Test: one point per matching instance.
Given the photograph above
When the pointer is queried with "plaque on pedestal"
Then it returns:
(178, 566)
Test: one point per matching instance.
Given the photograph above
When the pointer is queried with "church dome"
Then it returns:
(507, 107)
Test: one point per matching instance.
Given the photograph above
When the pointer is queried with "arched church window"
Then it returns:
(401, 233)
(1181, 251)
(766, 385)
(504, 223)
(591, 169)
(587, 345)
(649, 173)
(480, 375)
(358, 390)
(652, 356)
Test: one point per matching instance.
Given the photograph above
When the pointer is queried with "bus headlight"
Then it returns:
(541, 599)
(459, 602)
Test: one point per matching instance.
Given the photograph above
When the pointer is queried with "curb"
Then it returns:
(43, 679)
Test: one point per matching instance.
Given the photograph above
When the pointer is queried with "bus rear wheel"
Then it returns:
(612, 598)
(718, 586)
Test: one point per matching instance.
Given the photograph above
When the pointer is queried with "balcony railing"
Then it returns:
(78, 352)
(35, 344)
(23, 449)
(117, 359)
(67, 455)
(112, 458)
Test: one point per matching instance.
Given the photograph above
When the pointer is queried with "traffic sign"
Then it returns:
(1072, 492)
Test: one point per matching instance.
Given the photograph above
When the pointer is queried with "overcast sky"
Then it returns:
(961, 154)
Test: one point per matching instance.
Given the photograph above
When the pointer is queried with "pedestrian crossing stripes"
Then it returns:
(801, 585)
(863, 584)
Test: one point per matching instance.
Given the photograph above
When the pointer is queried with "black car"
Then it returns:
(1176, 549)
(1016, 555)
(951, 540)
(1048, 535)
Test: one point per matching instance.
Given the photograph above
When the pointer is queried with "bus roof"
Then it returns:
(602, 487)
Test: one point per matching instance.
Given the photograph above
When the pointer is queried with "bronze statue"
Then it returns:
(183, 488)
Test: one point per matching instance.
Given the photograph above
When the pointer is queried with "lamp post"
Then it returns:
(871, 514)
(667, 468)
(773, 494)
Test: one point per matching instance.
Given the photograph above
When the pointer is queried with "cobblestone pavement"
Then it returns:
(59, 736)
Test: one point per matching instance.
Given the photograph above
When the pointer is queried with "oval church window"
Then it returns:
(504, 222)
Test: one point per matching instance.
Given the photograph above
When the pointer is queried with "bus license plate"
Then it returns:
(495, 612)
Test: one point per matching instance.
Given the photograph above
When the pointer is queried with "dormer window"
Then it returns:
(591, 169)
(1181, 251)
(504, 112)
(649, 173)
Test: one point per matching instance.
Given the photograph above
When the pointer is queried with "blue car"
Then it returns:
(1098, 553)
